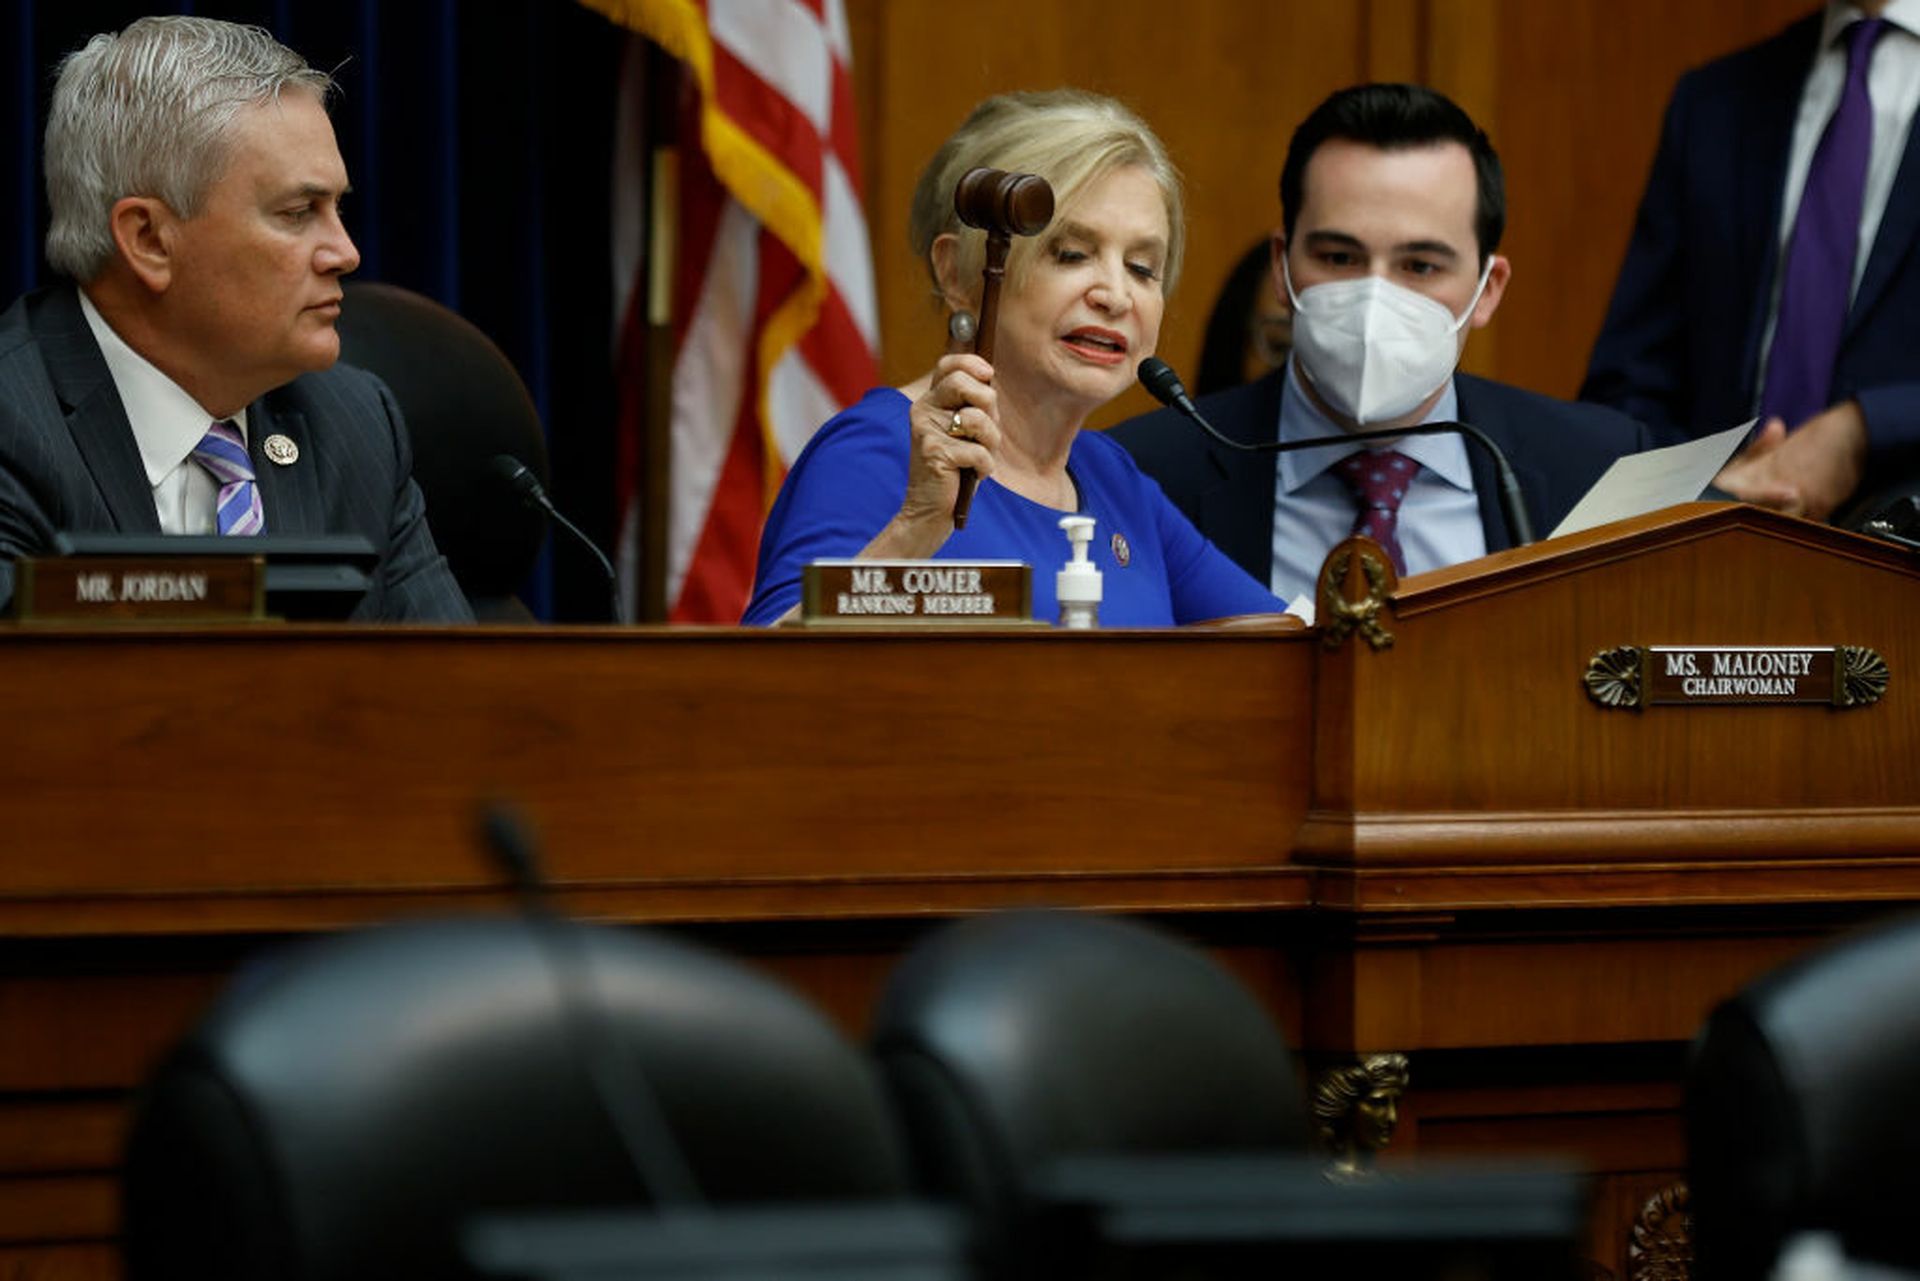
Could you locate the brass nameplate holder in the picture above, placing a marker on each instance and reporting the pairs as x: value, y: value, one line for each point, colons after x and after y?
x: 1639, y: 676
x: 116, y: 589
x: 917, y: 593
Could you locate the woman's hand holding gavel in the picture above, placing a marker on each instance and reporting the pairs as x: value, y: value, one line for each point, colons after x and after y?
x: 956, y: 433
x: 1004, y: 205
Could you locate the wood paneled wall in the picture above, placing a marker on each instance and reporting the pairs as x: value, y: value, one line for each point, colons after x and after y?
x: 1571, y: 92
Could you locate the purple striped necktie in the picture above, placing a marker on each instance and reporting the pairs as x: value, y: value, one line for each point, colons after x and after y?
x: 1379, y: 479
x: 224, y: 454
x: 1817, y: 285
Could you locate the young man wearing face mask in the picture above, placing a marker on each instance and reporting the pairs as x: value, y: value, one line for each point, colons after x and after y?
x: 1392, y: 205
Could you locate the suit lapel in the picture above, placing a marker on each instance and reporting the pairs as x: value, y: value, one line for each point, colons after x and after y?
x: 1480, y: 410
x: 1236, y: 510
x: 96, y: 419
x: 1898, y: 226
x: 290, y: 497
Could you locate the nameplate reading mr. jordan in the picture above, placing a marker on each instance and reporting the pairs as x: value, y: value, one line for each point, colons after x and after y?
x: 81, y: 589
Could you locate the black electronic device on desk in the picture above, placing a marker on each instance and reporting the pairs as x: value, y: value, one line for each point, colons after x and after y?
x: 119, y: 578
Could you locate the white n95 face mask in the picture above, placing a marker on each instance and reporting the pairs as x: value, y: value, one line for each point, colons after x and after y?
x: 1373, y: 349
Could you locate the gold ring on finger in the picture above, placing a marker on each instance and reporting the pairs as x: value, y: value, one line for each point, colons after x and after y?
x: 953, y: 424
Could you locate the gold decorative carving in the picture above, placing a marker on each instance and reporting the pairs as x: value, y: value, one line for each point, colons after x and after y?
x: 1660, y: 1243
x: 1338, y: 613
x: 1613, y: 677
x: 1355, y: 1109
x: 1863, y: 676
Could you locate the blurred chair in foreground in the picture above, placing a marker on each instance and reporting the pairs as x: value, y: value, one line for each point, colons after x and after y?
x: 1803, y: 1109
x: 1013, y: 1041
x: 347, y: 1109
x: 464, y: 404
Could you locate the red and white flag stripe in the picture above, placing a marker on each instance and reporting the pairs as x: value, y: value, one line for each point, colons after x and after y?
x: 776, y: 326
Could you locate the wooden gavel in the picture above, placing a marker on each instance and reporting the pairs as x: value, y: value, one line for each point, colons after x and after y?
x: 1003, y: 205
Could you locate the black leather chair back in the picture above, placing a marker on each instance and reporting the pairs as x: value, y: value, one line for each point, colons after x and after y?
x: 1011, y: 1041
x: 1803, y: 1109
x: 464, y: 403
x: 345, y: 1109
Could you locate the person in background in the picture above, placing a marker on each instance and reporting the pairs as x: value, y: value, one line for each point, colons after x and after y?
x: 1773, y: 269
x: 184, y: 380
x: 1392, y: 206
x: 1081, y: 307
x: 1249, y: 331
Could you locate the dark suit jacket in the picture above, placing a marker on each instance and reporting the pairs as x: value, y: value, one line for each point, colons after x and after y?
x: 1557, y: 451
x: 68, y: 460
x: 1680, y: 350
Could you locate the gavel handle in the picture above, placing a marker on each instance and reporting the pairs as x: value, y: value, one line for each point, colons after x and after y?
x: 963, y: 497
x: 991, y: 276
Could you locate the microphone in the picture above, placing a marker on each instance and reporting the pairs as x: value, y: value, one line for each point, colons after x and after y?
x: 1157, y: 376
x: 1165, y: 386
x: 624, y: 1096
x: 527, y: 487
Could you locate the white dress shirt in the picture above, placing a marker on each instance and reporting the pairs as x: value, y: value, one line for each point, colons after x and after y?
x: 1893, y: 85
x: 167, y: 424
x: 1313, y: 509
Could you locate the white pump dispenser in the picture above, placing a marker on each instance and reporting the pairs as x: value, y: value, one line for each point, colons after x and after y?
x: 1077, y: 585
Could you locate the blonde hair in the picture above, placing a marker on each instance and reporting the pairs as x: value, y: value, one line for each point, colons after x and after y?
x: 1069, y: 137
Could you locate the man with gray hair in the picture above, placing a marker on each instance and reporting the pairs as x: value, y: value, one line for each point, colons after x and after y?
x: 184, y: 380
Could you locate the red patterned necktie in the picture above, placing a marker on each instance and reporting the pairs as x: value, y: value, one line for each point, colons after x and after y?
x: 1379, y: 480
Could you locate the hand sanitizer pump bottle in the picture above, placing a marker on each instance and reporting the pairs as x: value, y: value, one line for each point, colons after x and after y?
x: 1077, y: 585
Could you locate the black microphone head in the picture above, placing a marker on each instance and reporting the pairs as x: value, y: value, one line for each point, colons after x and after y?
x: 519, y: 477
x: 1157, y: 376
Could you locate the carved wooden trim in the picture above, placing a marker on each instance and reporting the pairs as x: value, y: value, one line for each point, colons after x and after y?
x: 1660, y: 1243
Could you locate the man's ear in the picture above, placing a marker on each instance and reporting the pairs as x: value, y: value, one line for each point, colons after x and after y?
x: 143, y: 230
x: 1497, y: 276
x: 958, y: 294
x: 1277, y: 254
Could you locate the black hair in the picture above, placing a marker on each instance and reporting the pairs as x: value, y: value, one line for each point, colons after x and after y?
x: 1394, y: 117
x: 1223, y: 352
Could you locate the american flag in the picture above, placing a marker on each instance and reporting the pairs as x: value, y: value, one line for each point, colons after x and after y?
x: 775, y: 324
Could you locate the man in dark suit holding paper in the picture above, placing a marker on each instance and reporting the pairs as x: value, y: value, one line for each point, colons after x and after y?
x: 1393, y: 204
x: 1773, y: 267
x: 185, y: 383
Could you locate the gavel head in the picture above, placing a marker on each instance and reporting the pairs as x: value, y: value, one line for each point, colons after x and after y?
x: 1007, y: 204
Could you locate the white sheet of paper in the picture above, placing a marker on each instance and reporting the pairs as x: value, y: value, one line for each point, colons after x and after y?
x: 1645, y: 482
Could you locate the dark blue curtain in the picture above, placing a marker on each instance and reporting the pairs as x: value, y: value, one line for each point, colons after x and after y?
x: 477, y: 136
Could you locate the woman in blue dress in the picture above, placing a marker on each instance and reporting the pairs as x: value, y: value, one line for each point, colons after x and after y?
x: 1081, y: 307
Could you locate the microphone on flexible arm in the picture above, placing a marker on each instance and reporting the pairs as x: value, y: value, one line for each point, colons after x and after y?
x: 591, y: 1036
x: 1157, y: 376
x: 520, y: 478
